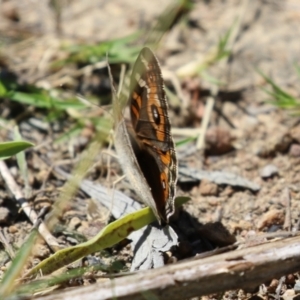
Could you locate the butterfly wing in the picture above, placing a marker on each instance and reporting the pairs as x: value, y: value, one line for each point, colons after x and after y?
x: 149, y: 115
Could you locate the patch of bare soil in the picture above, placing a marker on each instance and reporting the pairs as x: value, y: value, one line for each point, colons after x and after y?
x: 246, y: 136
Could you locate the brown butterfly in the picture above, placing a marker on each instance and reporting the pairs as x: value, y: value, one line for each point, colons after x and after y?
x: 147, y: 152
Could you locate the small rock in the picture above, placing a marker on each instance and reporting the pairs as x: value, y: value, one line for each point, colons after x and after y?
x: 245, y: 225
x: 297, y: 287
x: 88, y: 131
x: 268, y: 171
x: 294, y: 150
x: 12, y: 229
x: 288, y: 295
x: 234, y: 227
x: 270, y: 218
x: 290, y: 279
x: 279, y: 141
x: 227, y: 192
x: 74, y: 223
x: 14, y: 171
x: 273, y: 285
x: 42, y: 175
x: 84, y: 228
x: 41, y: 124
x: 218, y: 141
x: 195, y: 191
x: 4, y: 215
x: 94, y: 261
x: 295, y: 133
x: 213, y: 201
x: 72, y: 240
x: 208, y: 188
x: 40, y: 251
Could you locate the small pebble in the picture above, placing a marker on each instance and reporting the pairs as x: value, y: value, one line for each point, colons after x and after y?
x: 245, y: 225
x: 290, y: 279
x: 40, y: 251
x: 297, y: 287
x: 295, y: 133
x: 93, y: 260
x: 218, y: 141
x: 294, y: 150
x: 4, y: 215
x: 208, y: 188
x: 272, y: 217
x: 268, y: 171
x: 273, y: 285
x: 72, y: 240
x: 12, y: 229
x: 288, y: 295
x: 75, y: 222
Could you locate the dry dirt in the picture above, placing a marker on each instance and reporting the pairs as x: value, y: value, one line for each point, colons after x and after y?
x: 247, y: 135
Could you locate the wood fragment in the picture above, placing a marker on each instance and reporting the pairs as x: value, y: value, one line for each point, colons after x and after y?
x: 29, y: 211
x: 218, y: 177
x: 244, y: 268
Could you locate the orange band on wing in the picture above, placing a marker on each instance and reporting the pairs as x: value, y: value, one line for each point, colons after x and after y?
x: 166, y: 158
x: 138, y: 99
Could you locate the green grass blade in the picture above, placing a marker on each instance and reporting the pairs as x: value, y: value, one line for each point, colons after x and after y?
x: 44, y: 100
x: 9, y: 279
x: 281, y: 98
x: 3, y: 90
x: 186, y: 141
x: 119, y: 51
x: 47, y: 282
x: 109, y: 236
x: 278, y: 91
x: 37, y: 100
x: 7, y: 149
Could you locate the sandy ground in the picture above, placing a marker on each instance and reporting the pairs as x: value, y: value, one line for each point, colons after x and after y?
x: 247, y: 135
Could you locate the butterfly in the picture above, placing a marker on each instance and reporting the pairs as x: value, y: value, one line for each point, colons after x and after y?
x: 146, y: 151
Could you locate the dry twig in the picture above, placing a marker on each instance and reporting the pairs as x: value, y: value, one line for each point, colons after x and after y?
x: 29, y: 211
x: 244, y: 268
x: 205, y: 121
